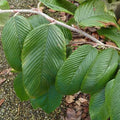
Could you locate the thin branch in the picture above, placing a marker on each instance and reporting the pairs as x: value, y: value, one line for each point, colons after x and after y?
x: 110, y: 46
x: 36, y: 11
x: 38, y: 5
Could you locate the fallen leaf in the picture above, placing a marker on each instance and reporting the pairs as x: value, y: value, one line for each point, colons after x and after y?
x: 52, y: 11
x: 83, y: 115
x: 6, y: 71
x: 70, y: 99
x: 92, y: 29
x: 78, y: 103
x: 82, y: 100
x: 111, y: 43
x: 41, y: 8
x: 2, y: 80
x: 95, y: 35
x: 1, y: 101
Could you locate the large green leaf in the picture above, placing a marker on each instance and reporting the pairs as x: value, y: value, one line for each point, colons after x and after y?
x: 13, y: 35
x: 115, y: 99
x: 67, y: 33
x: 71, y: 74
x: 37, y: 20
x: 43, y: 54
x: 93, y: 13
x: 101, y: 71
x: 60, y: 5
x: 97, y: 106
x: 108, y: 92
x: 49, y: 101
x: 19, y: 88
x: 111, y: 33
x: 4, y: 16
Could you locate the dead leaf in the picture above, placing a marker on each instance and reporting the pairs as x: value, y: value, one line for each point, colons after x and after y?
x: 2, y: 80
x: 70, y: 99
x: 72, y: 115
x: 52, y: 11
x: 80, y: 40
x: 41, y: 8
x: 83, y: 115
x: 1, y: 101
x: 111, y: 43
x: 78, y: 103
x: 95, y: 35
x: 6, y: 71
x: 108, y: 24
x: 82, y: 100
x: 92, y: 29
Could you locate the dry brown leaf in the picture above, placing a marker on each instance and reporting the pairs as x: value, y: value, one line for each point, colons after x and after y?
x: 2, y: 80
x: 95, y: 35
x: 72, y: 115
x: 70, y: 99
x: 77, y: 108
x: 82, y: 100
x: 52, y: 11
x: 41, y: 8
x: 6, y: 71
x: 111, y: 43
x: 78, y: 103
x: 2, y: 101
x: 92, y: 29
x: 80, y: 40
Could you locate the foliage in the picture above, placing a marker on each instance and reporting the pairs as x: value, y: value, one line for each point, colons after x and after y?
x: 37, y: 50
x: 4, y: 16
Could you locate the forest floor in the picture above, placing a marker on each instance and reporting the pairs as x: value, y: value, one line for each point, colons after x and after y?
x: 73, y: 107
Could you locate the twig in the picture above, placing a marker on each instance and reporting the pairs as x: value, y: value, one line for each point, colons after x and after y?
x: 37, y: 11
x: 38, y: 5
x: 52, y: 20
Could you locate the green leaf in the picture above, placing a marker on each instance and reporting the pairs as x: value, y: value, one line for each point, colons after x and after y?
x: 13, y: 35
x: 111, y: 33
x: 49, y: 101
x: 93, y: 13
x: 101, y: 71
x: 43, y: 54
x: 67, y: 34
x: 115, y: 99
x: 71, y: 74
x: 4, y: 16
x: 19, y: 88
x: 97, y: 106
x: 60, y: 5
x: 80, y: 1
x: 108, y: 92
x: 37, y: 20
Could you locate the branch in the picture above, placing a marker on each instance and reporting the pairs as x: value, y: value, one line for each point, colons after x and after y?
x: 36, y: 11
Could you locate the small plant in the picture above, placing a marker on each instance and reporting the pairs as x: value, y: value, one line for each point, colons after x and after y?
x: 35, y: 47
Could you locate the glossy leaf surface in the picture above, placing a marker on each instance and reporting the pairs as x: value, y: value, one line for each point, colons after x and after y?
x: 71, y: 74
x: 19, y: 88
x: 101, y: 71
x: 49, y: 101
x: 43, y: 54
x: 94, y: 13
x: 60, y: 5
x: 97, y: 107
x: 13, y: 35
